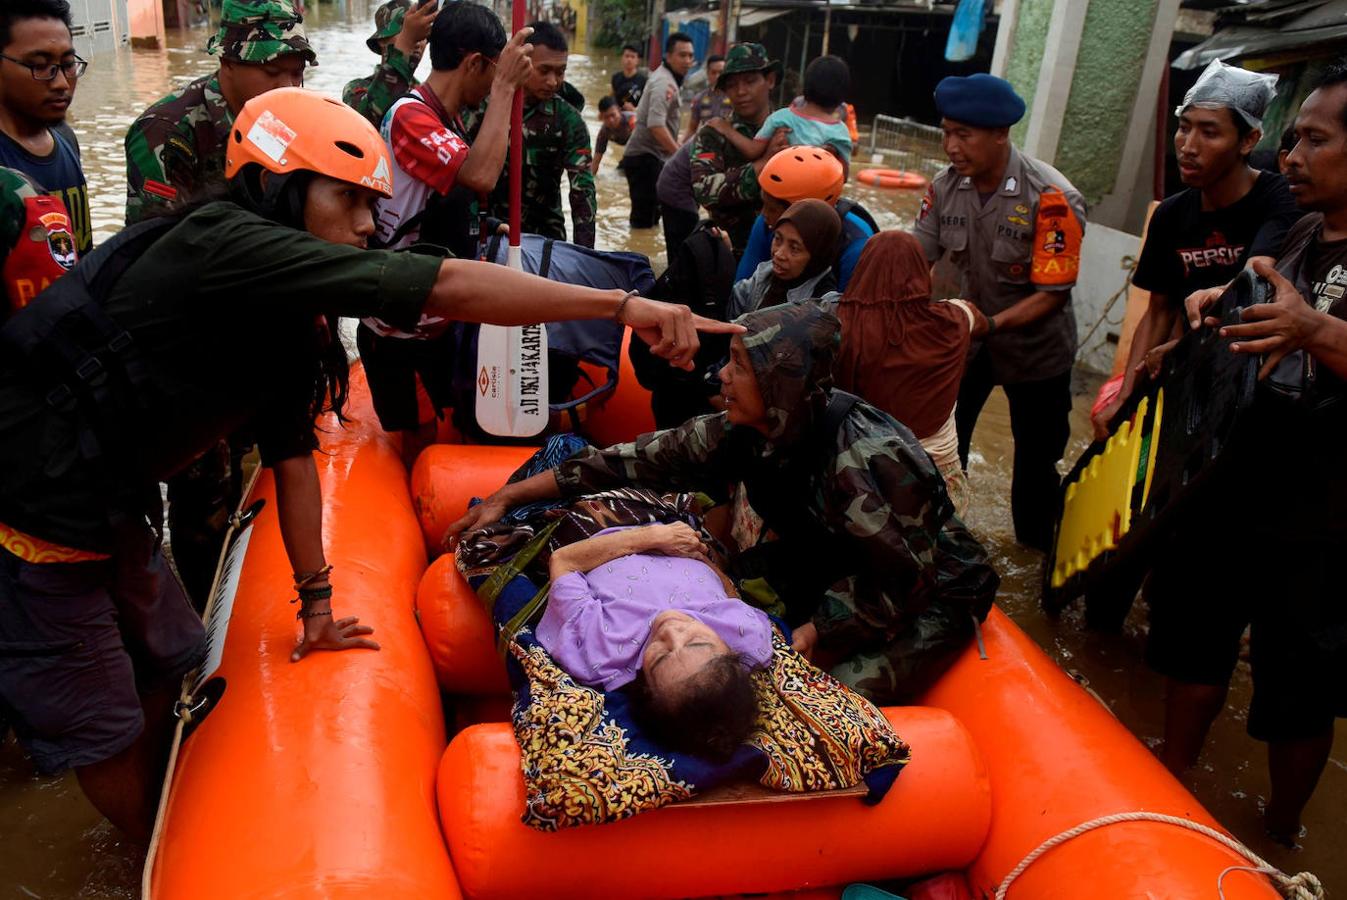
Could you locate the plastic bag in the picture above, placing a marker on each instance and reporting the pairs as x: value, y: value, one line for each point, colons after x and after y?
x: 1230, y: 87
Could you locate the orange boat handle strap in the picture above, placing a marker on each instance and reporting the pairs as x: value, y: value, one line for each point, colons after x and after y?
x: 1305, y: 886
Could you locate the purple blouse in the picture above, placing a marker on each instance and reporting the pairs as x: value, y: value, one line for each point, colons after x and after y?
x: 597, y: 623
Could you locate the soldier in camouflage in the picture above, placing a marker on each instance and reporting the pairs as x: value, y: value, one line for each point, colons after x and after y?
x: 175, y: 151
x: 882, y: 584
x: 724, y: 181
x: 400, y: 33
x: 556, y: 140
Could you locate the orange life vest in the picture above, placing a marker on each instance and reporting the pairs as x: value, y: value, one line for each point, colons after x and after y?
x: 45, y: 250
x: 1057, y: 237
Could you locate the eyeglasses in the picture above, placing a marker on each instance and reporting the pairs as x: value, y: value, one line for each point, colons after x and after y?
x: 72, y: 68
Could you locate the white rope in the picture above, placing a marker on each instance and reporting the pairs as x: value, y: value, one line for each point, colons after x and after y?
x: 1304, y: 886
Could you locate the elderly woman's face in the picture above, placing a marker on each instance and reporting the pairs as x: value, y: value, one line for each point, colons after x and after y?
x: 789, y: 254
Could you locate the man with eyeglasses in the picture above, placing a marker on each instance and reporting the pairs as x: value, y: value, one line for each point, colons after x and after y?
x: 175, y: 151
x: 38, y: 73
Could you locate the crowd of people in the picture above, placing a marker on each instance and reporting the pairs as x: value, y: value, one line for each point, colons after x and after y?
x: 828, y: 407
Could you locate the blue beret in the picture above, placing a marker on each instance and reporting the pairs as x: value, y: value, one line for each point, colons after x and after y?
x: 981, y: 100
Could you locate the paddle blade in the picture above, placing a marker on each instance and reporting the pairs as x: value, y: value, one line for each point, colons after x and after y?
x: 512, y: 380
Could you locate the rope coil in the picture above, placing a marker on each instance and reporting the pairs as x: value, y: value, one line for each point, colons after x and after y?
x: 1304, y: 886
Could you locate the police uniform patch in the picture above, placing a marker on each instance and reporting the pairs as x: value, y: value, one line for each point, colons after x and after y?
x: 1022, y: 209
x: 927, y: 201
x: 1017, y: 220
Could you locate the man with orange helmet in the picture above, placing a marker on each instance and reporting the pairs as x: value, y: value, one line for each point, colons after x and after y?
x: 803, y: 173
x: 128, y: 368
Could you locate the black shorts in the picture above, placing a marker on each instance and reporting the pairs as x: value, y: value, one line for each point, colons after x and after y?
x: 81, y: 642
x: 1288, y: 595
x: 394, y: 366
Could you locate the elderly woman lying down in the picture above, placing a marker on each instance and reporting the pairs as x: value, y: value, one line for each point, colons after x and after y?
x: 644, y: 608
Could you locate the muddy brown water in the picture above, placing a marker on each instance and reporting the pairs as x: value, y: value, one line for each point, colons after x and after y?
x: 54, y: 845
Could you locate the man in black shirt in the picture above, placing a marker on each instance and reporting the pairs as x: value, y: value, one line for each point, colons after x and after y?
x: 630, y: 82
x: 1203, y: 236
x: 1287, y: 488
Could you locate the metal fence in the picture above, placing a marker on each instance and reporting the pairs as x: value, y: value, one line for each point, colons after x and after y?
x: 907, y: 145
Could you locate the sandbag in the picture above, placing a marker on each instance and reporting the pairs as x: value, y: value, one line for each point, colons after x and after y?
x: 935, y: 817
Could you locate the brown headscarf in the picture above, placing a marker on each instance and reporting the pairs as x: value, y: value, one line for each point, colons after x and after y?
x: 819, y: 227
x: 900, y: 350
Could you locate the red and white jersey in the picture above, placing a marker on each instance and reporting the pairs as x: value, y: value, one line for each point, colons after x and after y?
x: 427, y: 154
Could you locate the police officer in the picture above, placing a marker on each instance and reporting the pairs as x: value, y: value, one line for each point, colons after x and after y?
x: 175, y: 151
x: 1012, y: 225
x: 400, y: 34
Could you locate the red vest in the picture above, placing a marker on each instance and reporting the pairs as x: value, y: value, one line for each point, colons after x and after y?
x: 44, y: 251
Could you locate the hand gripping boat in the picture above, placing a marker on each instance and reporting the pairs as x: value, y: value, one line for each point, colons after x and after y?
x: 330, y: 778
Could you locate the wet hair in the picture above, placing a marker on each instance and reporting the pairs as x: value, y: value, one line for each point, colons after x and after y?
x: 1333, y: 76
x: 675, y: 38
x: 711, y: 716
x: 633, y: 48
x: 14, y: 10
x: 545, y: 34
x: 461, y: 29
x: 607, y: 103
x: 713, y: 59
x: 827, y: 81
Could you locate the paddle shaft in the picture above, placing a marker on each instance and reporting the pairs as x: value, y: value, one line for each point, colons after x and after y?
x: 516, y: 155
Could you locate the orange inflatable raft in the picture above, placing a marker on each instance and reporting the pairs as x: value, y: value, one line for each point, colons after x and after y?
x: 321, y: 779
x: 1055, y: 757
x: 892, y: 178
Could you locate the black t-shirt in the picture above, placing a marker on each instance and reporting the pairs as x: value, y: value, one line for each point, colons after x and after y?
x: 1290, y: 467
x: 1188, y: 248
x: 627, y: 89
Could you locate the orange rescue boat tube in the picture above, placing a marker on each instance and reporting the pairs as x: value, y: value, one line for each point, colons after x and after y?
x: 935, y: 817
x: 892, y: 178
x: 316, y: 779
x: 446, y: 477
x: 1057, y: 759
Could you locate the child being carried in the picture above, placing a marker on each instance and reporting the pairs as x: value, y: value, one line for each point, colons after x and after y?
x: 816, y: 119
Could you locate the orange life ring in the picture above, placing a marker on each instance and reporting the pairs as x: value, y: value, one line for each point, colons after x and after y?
x: 891, y: 178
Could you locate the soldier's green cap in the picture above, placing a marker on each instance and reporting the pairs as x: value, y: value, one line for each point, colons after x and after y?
x: 387, y: 22
x: 747, y: 57
x: 259, y: 31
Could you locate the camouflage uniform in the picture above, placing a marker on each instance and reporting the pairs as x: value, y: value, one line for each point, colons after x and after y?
x: 868, y: 548
x: 175, y: 150
x: 555, y: 139
x: 724, y: 181
x: 394, y: 76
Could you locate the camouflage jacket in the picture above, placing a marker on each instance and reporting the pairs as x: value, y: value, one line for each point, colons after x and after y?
x: 866, y: 503
x: 372, y: 95
x: 556, y: 139
x: 175, y: 151
x: 725, y: 182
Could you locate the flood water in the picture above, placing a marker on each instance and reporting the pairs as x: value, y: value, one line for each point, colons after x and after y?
x: 52, y: 843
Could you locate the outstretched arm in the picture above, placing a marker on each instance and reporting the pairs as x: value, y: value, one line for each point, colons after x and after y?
x: 470, y: 291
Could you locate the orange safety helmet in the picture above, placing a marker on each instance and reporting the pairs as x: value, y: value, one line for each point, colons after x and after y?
x: 291, y: 130
x: 803, y: 173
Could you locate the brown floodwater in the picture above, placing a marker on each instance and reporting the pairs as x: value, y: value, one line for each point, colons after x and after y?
x: 52, y: 843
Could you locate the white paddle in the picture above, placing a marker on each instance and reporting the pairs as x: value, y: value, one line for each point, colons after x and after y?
x: 512, y: 361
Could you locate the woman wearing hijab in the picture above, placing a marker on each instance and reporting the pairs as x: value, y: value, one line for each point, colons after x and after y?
x: 904, y: 352
x: 804, y: 244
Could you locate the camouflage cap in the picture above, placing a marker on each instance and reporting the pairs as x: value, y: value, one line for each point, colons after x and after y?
x: 387, y: 22
x: 746, y: 58
x: 259, y: 31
